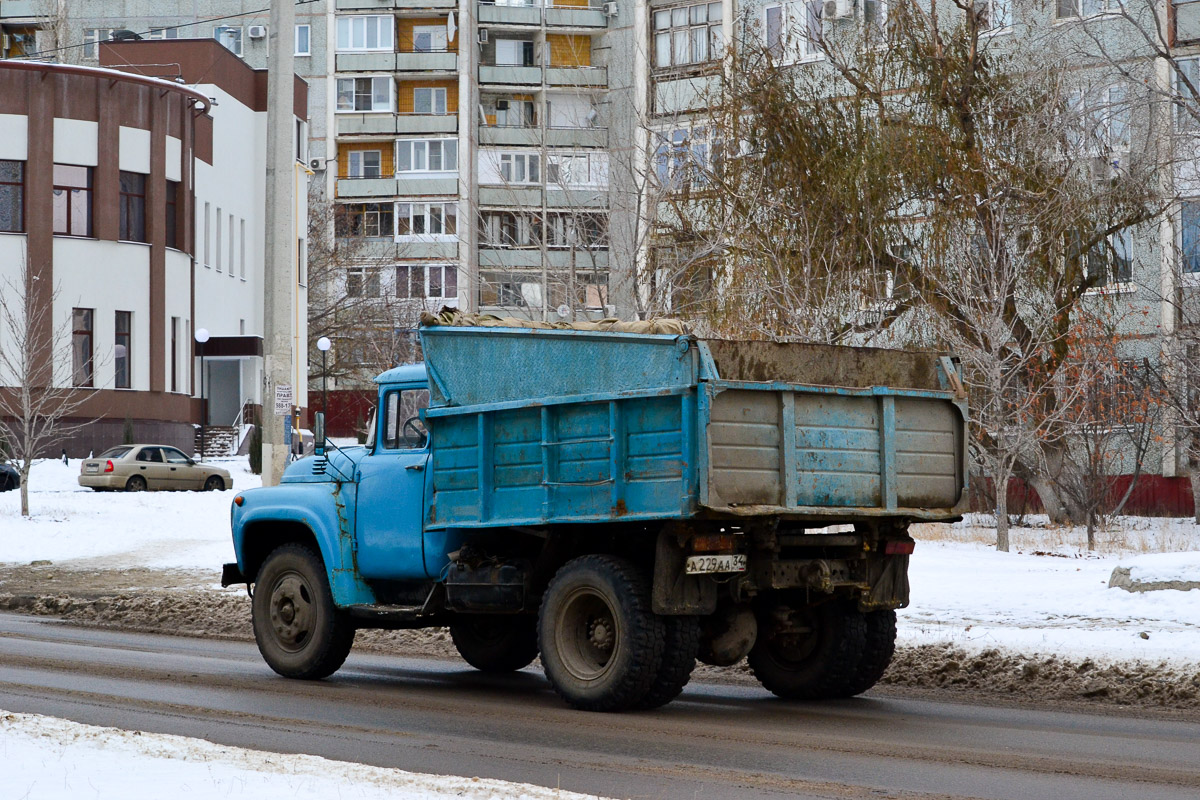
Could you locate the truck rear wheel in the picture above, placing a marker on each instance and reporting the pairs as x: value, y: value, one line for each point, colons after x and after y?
x: 808, y: 652
x: 682, y: 641
x: 299, y: 631
x: 601, y: 644
x: 877, y: 653
x: 494, y: 643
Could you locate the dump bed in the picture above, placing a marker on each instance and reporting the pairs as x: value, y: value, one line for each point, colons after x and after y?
x: 531, y: 427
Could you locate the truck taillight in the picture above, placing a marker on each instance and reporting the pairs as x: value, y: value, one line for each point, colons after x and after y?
x: 108, y: 467
x: 899, y: 548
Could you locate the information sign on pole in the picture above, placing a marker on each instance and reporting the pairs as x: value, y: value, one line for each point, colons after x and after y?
x: 283, y: 399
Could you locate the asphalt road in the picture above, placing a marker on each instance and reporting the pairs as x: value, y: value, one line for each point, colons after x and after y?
x: 716, y: 741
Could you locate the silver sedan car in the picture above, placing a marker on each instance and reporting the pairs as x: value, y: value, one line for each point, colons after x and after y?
x: 139, y: 467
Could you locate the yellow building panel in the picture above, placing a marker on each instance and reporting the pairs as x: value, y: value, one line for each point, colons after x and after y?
x: 387, y: 156
x: 570, y: 51
x: 404, y: 94
x: 405, y: 33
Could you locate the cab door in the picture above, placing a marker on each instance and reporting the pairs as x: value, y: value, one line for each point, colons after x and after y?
x: 391, y: 490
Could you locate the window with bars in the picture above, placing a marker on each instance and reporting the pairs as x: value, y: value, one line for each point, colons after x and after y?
x: 688, y: 35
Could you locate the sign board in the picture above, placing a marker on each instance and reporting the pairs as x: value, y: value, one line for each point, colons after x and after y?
x: 287, y: 430
x: 283, y: 399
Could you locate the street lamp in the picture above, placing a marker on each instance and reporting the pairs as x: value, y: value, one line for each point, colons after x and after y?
x: 201, y: 338
x: 323, y: 344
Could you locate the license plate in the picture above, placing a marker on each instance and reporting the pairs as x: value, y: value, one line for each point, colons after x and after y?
x: 697, y: 565
x: 92, y: 468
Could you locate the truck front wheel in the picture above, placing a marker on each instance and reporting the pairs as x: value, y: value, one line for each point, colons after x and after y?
x: 493, y: 643
x: 299, y: 631
x: 808, y: 652
x: 601, y: 644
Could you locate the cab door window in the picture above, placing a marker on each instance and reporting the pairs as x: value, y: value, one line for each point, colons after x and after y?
x: 403, y: 428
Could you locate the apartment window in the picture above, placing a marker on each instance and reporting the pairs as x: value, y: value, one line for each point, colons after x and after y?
x: 362, y: 282
x: 591, y: 289
x: 174, y: 354
x: 12, y: 196
x: 1112, y: 260
x: 365, y: 33
x: 303, y: 40
x: 1065, y: 9
x: 73, y: 200
x: 364, y: 163
x: 875, y: 17
x: 426, y: 155
x: 219, y: 227
x: 133, y: 207
x: 365, y: 94
x: 163, y: 33
x: 122, y: 349
x: 508, y: 229
x: 576, y: 169
x: 230, y: 36
x: 684, y: 156
x: 82, y: 364
x: 993, y: 15
x: 365, y: 220
x: 1189, y: 225
x: 575, y: 231
x: 426, y: 219
x: 231, y: 243
x: 92, y: 38
x: 242, y: 254
x: 793, y: 31
x: 429, y: 101
x: 437, y: 281
x: 429, y: 39
x: 172, y: 214
x: 1188, y: 72
x: 514, y: 53
x: 207, y: 235
x: 520, y: 167
x: 514, y: 113
x: 688, y: 35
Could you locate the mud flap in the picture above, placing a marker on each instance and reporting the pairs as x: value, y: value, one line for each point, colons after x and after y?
x: 888, y: 578
x: 676, y: 592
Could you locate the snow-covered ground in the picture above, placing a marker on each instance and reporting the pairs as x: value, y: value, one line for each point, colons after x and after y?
x: 1049, y: 595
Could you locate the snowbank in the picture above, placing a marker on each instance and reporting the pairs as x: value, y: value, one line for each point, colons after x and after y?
x: 47, y: 758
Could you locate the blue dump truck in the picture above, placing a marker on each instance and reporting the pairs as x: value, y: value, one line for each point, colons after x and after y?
x: 619, y: 502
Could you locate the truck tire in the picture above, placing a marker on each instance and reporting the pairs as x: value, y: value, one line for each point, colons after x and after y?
x: 877, y: 653
x: 681, y: 643
x: 495, y: 643
x: 816, y: 664
x: 299, y: 631
x: 601, y: 645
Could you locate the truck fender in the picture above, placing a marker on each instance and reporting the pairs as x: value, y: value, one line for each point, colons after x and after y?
x: 675, y: 592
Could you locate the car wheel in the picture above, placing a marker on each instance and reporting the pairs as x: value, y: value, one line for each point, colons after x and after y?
x: 601, y: 644
x: 214, y: 484
x: 299, y: 631
x: 135, y: 484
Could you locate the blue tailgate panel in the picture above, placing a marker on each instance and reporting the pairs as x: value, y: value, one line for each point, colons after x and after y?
x: 567, y: 462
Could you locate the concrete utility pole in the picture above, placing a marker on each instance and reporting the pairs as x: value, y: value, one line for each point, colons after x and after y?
x: 278, y: 281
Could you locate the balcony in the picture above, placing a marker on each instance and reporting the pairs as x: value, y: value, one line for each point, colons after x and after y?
x: 510, y: 135
x: 394, y: 5
x: 560, y: 15
x: 442, y: 251
x: 576, y: 77
x: 577, y: 137
x: 575, y: 198
x: 510, y: 196
x: 507, y: 75
x: 492, y: 14
x: 366, y: 187
x: 388, y: 124
x: 532, y: 258
x: 413, y: 185
x: 440, y: 61
x: 382, y: 61
x: 510, y: 257
x: 25, y: 9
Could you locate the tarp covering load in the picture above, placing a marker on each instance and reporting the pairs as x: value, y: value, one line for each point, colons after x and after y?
x: 458, y: 319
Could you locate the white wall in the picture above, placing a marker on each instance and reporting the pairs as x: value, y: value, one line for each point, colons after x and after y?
x: 14, y: 133
x: 75, y: 142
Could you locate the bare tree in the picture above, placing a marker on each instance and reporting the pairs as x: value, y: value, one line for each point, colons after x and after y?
x: 39, y: 405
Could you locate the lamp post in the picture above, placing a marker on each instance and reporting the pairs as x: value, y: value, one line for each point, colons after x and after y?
x: 323, y: 344
x: 201, y: 338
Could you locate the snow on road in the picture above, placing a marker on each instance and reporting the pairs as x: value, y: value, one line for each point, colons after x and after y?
x: 1047, y: 596
x: 47, y: 759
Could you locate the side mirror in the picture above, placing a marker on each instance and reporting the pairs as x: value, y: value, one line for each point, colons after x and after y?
x: 319, y: 433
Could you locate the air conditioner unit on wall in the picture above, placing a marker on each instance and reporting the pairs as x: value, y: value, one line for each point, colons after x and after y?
x: 483, y: 36
x: 257, y: 32
x: 610, y: 9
